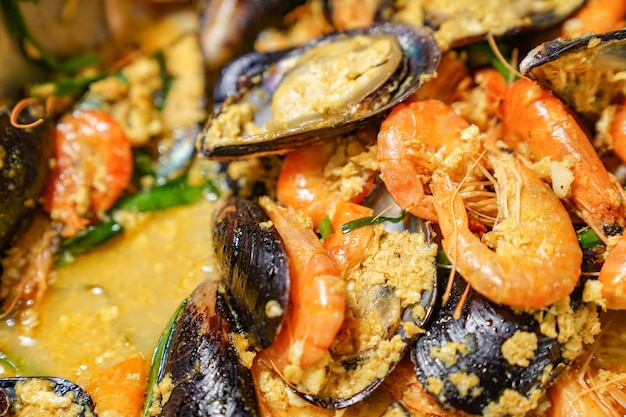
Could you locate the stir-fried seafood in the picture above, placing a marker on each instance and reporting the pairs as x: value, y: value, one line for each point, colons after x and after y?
x: 406, y: 228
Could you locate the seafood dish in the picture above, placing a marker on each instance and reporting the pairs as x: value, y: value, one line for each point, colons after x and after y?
x: 322, y: 208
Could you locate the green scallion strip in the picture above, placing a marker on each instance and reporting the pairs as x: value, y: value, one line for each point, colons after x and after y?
x: 442, y: 258
x: 67, y: 87
x: 369, y: 221
x: 326, y: 228
x: 32, y: 49
x: 162, y: 197
x: 174, y: 193
x: 588, y: 239
x: 158, y: 357
x: 87, y: 240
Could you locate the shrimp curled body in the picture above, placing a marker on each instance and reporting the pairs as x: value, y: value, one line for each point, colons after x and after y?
x: 536, y: 257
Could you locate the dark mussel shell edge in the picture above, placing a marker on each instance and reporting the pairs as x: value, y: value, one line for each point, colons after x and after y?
x: 421, y: 56
x: 254, y: 268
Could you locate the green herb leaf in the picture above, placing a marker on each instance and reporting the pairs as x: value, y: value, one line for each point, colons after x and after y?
x: 86, y: 240
x: 326, y: 228
x: 369, y: 221
x: 588, y: 239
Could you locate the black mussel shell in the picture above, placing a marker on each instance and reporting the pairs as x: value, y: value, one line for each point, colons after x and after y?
x: 24, y: 166
x: 196, y: 352
x: 581, y: 71
x: 420, y: 57
x: 255, y: 270
x: 82, y: 404
x: 472, y: 379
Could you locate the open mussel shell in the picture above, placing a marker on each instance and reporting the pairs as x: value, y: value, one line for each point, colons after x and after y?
x: 586, y: 73
x: 460, y: 361
x: 508, y: 19
x: 198, y: 359
x: 24, y: 165
x: 11, y: 400
x: 408, y: 56
x: 255, y: 270
x: 355, y: 376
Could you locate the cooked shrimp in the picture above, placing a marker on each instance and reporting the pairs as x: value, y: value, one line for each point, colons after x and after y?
x: 414, y: 141
x: 317, y: 297
x: 596, y: 16
x: 613, y: 276
x: 538, y: 125
x: 533, y: 234
x: 595, y: 385
x: 307, y: 181
x: 346, y: 250
x: 93, y: 166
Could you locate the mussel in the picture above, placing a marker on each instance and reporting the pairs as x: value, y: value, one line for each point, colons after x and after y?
x: 390, y: 295
x: 490, y: 356
x: 329, y: 86
x: 255, y: 270
x: 34, y: 395
x: 587, y: 73
x: 24, y: 161
x: 196, y: 370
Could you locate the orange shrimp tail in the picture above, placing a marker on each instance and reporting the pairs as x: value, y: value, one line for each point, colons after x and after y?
x: 613, y: 276
x: 538, y: 125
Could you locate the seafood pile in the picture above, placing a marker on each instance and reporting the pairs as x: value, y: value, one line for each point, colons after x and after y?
x: 419, y: 208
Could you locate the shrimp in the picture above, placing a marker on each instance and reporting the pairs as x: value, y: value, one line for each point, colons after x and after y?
x: 534, y: 234
x: 538, y: 125
x: 317, y: 297
x: 308, y: 182
x: 93, y: 166
x: 613, y: 276
x: 413, y: 142
x: 346, y: 250
x: 596, y: 16
x: 595, y: 385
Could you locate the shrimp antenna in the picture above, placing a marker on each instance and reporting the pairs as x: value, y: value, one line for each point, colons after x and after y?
x: 18, y: 108
x: 496, y: 50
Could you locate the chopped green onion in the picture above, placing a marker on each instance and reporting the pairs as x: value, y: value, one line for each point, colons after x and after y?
x: 86, y: 240
x: 588, y: 239
x: 17, y: 26
x: 161, y: 95
x: 326, y: 228
x: 369, y: 221
x: 174, y: 193
x: 171, y: 194
x: 73, y: 86
x: 159, y: 356
x: 442, y: 258
x: 484, y: 51
x: 5, y: 361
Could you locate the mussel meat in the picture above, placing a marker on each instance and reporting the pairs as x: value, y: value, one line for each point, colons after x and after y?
x: 327, y: 87
x: 587, y: 73
x: 34, y: 395
x: 490, y: 356
x: 24, y: 161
